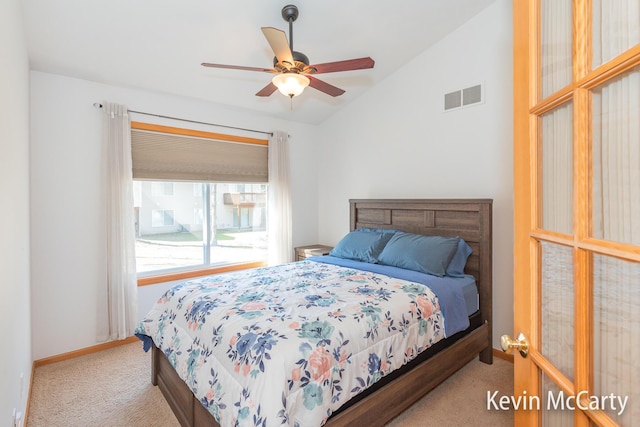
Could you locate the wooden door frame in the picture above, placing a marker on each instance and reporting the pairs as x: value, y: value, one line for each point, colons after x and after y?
x: 523, y: 368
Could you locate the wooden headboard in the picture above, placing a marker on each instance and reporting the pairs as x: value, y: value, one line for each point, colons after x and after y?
x: 469, y: 219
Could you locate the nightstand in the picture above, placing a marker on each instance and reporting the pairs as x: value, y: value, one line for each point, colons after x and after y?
x: 303, y: 252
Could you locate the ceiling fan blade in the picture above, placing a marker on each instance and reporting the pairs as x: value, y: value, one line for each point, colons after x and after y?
x: 348, y: 65
x: 267, y: 90
x: 324, y: 87
x: 239, y: 67
x: 278, y: 41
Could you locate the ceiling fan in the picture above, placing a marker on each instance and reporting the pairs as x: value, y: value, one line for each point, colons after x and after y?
x: 292, y: 69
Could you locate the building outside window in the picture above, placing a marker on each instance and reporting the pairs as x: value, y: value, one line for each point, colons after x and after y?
x: 162, y: 218
x: 162, y: 188
x: 201, y: 225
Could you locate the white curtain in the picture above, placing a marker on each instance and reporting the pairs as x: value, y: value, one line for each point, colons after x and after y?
x: 117, y: 311
x: 279, y: 210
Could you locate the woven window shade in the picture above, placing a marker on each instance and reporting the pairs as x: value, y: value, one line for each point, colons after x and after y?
x: 169, y: 157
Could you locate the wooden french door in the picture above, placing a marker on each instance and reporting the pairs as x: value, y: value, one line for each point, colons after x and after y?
x: 577, y: 212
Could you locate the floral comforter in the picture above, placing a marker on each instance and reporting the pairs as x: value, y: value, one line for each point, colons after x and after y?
x: 288, y: 345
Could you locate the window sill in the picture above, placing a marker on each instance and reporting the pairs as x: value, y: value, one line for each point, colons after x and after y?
x: 152, y: 280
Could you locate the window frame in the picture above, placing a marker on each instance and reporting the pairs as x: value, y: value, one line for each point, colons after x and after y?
x: 198, y: 271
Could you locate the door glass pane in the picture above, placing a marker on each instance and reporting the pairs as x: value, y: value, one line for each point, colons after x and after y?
x: 616, y: 28
x: 557, y: 169
x: 558, y: 306
x: 555, y: 412
x: 616, y: 311
x: 556, y: 38
x: 616, y: 159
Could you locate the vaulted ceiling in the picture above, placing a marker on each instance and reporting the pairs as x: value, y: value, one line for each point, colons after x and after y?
x: 159, y: 45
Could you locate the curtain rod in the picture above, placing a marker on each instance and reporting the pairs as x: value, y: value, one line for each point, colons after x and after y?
x: 99, y: 105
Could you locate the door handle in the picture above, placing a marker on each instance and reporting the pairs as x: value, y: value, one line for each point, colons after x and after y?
x: 520, y: 343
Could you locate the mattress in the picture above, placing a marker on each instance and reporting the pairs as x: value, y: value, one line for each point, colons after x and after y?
x: 470, y: 292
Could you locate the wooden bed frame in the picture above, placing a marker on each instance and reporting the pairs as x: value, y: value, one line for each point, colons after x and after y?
x: 470, y: 219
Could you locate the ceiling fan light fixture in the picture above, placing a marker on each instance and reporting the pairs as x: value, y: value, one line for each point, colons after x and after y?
x: 290, y: 84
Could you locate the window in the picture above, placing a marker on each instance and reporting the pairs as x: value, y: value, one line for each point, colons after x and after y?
x: 162, y: 188
x: 161, y: 218
x: 200, y: 201
x: 191, y: 231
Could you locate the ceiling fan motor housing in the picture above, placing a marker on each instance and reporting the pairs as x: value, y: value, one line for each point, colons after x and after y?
x: 301, y: 62
x: 290, y: 11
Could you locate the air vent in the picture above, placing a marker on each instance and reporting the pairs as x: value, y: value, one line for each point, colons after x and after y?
x: 472, y: 95
x: 452, y: 100
x: 463, y: 97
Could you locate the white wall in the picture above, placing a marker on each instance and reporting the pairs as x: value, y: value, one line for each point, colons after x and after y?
x: 396, y: 142
x: 67, y: 205
x: 392, y: 142
x: 15, y: 332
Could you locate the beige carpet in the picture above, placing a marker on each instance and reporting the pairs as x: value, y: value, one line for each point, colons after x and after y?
x: 112, y: 388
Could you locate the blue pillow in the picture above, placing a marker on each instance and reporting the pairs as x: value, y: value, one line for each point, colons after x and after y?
x: 361, y: 245
x: 459, y: 259
x: 427, y: 254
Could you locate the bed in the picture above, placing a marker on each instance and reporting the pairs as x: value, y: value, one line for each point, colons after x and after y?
x: 385, y: 387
